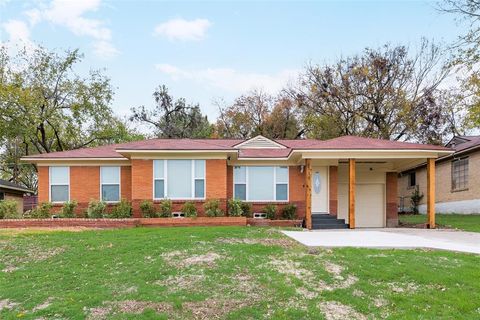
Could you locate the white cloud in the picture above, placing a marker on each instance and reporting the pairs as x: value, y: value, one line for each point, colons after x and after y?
x: 17, y: 30
x: 230, y: 79
x: 18, y: 36
x: 184, y: 30
x: 71, y: 14
x: 104, y: 49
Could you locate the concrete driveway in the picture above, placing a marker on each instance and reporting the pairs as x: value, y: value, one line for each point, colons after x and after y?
x: 390, y: 238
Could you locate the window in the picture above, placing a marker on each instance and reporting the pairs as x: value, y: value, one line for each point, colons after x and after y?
x: 412, y: 179
x: 460, y: 174
x: 179, y: 179
x: 59, y: 184
x: 2, y: 196
x: 257, y: 183
x: 110, y: 184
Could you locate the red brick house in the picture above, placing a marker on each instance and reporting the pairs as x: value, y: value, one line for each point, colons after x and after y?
x: 348, y: 178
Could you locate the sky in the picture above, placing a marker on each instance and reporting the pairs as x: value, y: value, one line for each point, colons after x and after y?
x: 207, y: 51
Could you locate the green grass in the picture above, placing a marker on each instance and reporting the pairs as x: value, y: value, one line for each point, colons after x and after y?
x: 226, y: 273
x: 456, y: 221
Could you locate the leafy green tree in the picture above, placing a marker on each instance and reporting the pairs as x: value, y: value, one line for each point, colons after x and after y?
x: 173, y: 118
x: 46, y: 107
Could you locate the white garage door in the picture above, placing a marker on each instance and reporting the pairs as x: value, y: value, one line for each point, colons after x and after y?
x: 369, y: 205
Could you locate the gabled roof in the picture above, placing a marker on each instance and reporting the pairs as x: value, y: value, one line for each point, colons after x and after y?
x: 265, y: 149
x: 259, y: 142
x: 4, y: 184
x: 464, y: 143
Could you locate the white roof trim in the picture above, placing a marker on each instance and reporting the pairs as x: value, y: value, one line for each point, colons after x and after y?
x: 72, y: 158
x: 174, y: 151
x: 256, y: 143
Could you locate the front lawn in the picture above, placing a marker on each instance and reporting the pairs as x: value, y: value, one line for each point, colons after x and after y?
x: 225, y: 273
x: 456, y: 221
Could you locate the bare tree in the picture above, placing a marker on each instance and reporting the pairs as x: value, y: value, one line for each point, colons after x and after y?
x: 380, y: 94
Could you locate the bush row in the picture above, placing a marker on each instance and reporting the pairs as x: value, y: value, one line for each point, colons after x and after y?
x: 235, y: 208
x: 98, y: 209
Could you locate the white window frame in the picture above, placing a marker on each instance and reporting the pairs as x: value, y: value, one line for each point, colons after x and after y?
x: 112, y: 184
x: 193, y: 178
x: 274, y: 184
x: 55, y: 184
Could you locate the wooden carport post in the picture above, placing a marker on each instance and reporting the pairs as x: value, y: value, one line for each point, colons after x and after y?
x: 351, y: 193
x: 308, y: 193
x: 431, y: 193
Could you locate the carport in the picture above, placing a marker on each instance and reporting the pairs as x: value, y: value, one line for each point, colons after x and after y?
x: 359, y: 185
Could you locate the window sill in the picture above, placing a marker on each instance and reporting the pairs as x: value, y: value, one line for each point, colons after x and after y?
x: 179, y: 200
x: 411, y: 187
x: 267, y: 201
x: 459, y: 190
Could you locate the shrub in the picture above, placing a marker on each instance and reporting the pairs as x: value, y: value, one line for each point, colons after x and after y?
x: 247, y: 209
x: 43, y: 211
x: 235, y: 207
x: 148, y: 210
x: 122, y: 210
x: 165, y: 209
x: 189, y: 209
x: 68, y: 209
x: 289, y: 212
x: 415, y: 198
x: 212, y: 208
x: 270, y: 210
x: 96, y: 209
x: 9, y: 209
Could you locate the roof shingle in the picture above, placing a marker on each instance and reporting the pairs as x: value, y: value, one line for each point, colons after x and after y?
x: 341, y: 143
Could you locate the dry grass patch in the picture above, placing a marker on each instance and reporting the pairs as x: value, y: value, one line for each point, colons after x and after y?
x: 111, y: 308
x: 185, y: 259
x: 7, y: 304
x: 281, y: 242
x: 334, y: 310
x: 29, y: 253
x: 181, y: 282
x: 214, y: 309
x: 39, y: 230
x: 43, y: 305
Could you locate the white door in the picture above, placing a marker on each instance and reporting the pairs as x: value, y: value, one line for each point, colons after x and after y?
x: 320, y: 190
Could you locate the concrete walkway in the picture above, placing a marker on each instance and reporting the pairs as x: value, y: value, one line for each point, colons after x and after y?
x: 390, y: 238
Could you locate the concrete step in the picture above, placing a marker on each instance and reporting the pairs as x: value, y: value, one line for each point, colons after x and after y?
x: 329, y: 226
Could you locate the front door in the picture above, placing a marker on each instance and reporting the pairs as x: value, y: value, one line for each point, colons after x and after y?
x: 320, y: 190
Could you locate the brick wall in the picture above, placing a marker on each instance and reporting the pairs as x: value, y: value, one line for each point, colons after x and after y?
x: 229, y: 182
x: 126, y: 176
x: 391, y: 199
x: 216, y: 182
x: 43, y: 177
x: 142, y: 183
x: 137, y: 185
x: 333, y: 190
x: 84, y: 183
x: 297, y: 189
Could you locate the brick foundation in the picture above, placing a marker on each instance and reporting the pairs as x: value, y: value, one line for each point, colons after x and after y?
x: 150, y: 222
